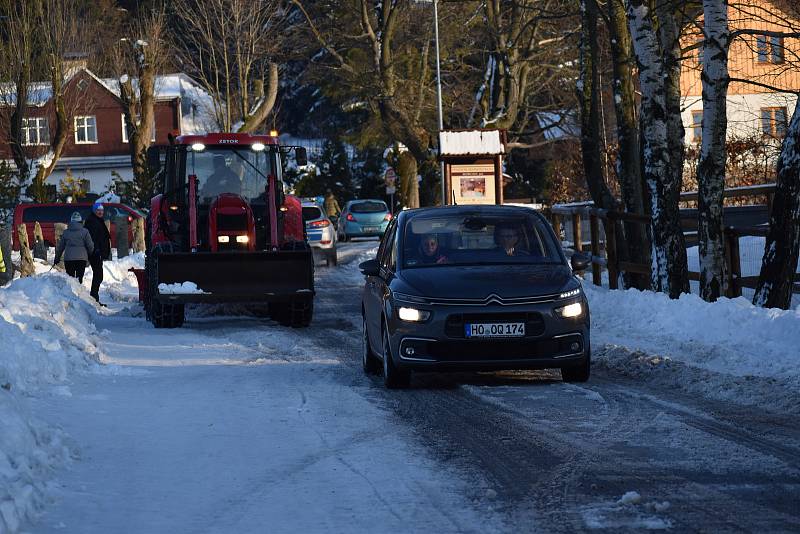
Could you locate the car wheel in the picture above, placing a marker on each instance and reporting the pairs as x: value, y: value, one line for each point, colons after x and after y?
x: 393, y: 378
x: 580, y: 372
x: 369, y: 362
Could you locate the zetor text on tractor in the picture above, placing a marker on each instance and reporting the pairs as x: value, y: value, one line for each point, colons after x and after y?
x: 223, y: 230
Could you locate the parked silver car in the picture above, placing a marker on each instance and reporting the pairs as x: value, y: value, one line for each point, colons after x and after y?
x: 320, y: 231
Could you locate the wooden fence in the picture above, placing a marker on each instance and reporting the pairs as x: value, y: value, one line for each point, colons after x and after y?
x: 576, y: 214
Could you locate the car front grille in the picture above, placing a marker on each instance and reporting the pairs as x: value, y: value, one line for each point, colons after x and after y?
x: 493, y: 299
x: 534, y: 322
x: 505, y: 349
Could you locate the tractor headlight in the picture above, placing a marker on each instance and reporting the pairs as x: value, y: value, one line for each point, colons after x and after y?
x: 257, y: 147
x: 413, y: 315
x: 571, y: 310
x: 242, y: 239
x: 198, y: 147
x: 223, y: 239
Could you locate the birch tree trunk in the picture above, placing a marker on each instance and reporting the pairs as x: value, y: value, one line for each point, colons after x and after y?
x: 774, y: 289
x: 669, y: 267
x: 713, y: 152
x: 629, y: 161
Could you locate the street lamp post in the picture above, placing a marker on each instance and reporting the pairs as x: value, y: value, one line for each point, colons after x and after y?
x: 438, y: 83
x: 439, y: 93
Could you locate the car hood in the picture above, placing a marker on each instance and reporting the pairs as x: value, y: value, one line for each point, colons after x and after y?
x: 505, y: 281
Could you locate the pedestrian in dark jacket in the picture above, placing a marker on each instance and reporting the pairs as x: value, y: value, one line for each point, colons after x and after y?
x: 102, y: 246
x: 76, y: 246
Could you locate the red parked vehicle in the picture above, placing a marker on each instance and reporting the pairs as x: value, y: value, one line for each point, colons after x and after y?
x: 47, y: 215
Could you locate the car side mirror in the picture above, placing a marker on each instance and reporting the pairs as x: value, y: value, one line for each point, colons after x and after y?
x: 580, y: 261
x: 301, y: 156
x: 369, y: 268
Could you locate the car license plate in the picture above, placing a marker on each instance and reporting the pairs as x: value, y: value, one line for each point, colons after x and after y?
x: 369, y: 229
x: 494, y: 329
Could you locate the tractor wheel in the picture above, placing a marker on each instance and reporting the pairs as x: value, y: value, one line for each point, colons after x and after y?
x: 161, y: 314
x: 300, y: 313
x: 167, y: 315
x: 279, y: 312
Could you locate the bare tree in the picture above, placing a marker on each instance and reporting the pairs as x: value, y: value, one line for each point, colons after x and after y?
x: 376, y: 51
x: 57, y: 23
x: 233, y: 47
x: 39, y: 36
x: 142, y: 60
x: 17, y: 23
x: 530, y: 61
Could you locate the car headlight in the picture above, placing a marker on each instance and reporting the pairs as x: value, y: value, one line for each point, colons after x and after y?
x: 571, y: 310
x: 413, y: 315
x: 224, y: 239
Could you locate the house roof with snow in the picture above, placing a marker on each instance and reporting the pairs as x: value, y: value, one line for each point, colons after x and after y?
x: 167, y: 87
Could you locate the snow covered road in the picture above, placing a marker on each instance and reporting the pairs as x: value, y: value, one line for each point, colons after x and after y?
x: 234, y: 424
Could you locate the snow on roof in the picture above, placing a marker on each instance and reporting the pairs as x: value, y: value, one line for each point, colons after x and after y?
x: 470, y: 142
x: 167, y: 87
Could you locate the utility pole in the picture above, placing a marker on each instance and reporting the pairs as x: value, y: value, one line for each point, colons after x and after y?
x: 439, y: 93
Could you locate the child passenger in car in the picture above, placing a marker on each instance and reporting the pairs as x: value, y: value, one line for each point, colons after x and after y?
x: 429, y: 250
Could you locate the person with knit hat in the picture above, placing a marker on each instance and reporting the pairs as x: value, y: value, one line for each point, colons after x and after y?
x: 102, y: 246
x: 76, y: 246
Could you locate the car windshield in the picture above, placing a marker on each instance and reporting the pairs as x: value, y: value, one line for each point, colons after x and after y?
x: 477, y: 239
x: 371, y: 206
x: 240, y: 171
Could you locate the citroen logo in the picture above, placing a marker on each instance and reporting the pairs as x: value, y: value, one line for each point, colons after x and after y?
x: 494, y: 299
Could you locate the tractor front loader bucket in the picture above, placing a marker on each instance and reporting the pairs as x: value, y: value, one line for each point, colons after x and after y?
x: 281, y: 276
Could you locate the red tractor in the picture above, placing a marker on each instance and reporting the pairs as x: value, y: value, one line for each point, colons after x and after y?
x: 222, y: 230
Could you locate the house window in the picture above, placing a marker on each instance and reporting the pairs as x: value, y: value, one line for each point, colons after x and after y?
x: 125, y: 131
x: 774, y: 122
x: 769, y: 49
x: 85, y: 130
x: 35, y: 131
x: 697, y: 126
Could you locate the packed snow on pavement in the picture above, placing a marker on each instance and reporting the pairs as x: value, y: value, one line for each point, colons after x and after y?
x: 56, y: 341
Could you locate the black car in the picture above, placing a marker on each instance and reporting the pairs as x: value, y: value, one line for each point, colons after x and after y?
x: 473, y: 288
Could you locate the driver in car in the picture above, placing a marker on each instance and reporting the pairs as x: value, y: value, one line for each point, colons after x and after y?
x: 506, y: 237
x: 222, y: 180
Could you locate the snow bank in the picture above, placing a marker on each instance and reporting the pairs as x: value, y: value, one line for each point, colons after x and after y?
x: 647, y: 334
x: 118, y: 282
x: 47, y: 332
